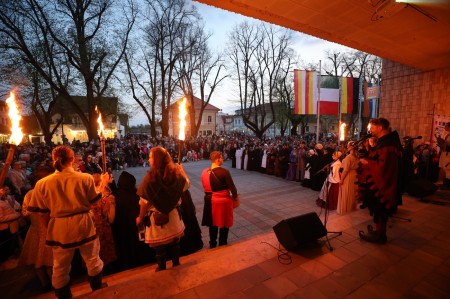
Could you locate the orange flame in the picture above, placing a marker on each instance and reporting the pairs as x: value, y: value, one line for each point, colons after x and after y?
x: 16, y: 130
x: 368, y: 128
x: 182, y: 116
x: 101, y: 128
x: 342, y: 131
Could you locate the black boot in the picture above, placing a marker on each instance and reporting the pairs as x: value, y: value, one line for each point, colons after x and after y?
x: 174, y: 251
x: 95, y: 281
x: 64, y: 292
x: 213, y: 231
x: 223, y: 236
x: 373, y: 237
x: 160, y: 258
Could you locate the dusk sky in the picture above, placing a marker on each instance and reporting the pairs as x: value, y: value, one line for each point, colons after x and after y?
x: 219, y: 22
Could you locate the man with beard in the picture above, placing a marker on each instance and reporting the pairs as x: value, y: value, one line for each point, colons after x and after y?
x: 383, y: 164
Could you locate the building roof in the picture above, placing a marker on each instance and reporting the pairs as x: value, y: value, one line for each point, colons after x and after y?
x: 197, y: 104
x: 413, y: 33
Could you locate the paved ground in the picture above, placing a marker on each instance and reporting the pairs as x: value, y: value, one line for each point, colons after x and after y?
x: 414, y: 264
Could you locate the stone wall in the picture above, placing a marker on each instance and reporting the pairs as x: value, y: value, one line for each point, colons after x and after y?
x: 408, y: 96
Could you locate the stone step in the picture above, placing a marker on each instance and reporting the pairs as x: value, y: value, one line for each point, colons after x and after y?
x: 195, y: 269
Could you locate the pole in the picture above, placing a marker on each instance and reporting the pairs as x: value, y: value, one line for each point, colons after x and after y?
x: 9, y: 158
x: 431, y: 142
x: 339, y: 106
x: 360, y: 97
x: 318, y: 102
x: 102, y: 142
x: 180, y: 149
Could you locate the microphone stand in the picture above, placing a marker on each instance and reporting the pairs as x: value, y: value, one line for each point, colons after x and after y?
x: 327, y: 212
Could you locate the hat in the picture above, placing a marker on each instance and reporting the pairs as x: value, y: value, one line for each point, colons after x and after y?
x: 319, y: 146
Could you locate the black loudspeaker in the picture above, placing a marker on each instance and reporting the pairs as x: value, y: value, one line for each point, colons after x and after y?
x: 421, y: 187
x: 299, y: 230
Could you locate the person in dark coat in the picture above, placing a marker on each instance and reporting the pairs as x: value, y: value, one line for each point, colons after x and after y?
x: 318, y: 171
x: 192, y: 239
x: 383, y: 163
x: 131, y: 251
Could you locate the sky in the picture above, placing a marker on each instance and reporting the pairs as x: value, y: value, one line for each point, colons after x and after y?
x: 219, y: 22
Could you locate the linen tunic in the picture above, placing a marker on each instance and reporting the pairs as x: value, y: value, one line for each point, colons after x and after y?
x: 67, y: 195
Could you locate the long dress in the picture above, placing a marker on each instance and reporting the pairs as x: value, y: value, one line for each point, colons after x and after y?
x: 34, y: 251
x: 239, y: 158
x: 329, y: 194
x: 100, y: 212
x: 347, y: 193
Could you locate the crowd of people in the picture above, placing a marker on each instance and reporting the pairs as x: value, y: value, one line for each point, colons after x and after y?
x: 49, y: 188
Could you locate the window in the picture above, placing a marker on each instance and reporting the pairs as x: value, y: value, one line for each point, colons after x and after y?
x: 209, y: 119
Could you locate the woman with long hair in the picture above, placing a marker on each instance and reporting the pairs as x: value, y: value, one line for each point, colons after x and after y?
x: 160, y: 197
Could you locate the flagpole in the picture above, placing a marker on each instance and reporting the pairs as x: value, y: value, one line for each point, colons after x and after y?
x: 318, y: 102
x: 339, y: 106
x: 360, y: 97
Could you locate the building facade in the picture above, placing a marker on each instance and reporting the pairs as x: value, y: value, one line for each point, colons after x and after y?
x: 209, y: 122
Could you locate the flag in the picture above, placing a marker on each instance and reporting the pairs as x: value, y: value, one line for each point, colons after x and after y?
x: 329, y: 101
x: 306, y: 93
x: 347, y: 94
x: 371, y: 95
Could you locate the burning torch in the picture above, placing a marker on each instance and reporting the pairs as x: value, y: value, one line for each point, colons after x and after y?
x: 16, y: 135
x: 101, y: 134
x: 181, y: 135
x: 342, y: 132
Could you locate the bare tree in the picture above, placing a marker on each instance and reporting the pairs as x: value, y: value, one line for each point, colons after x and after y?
x: 84, y: 33
x: 167, y: 33
x: 258, y: 53
x: 199, y: 72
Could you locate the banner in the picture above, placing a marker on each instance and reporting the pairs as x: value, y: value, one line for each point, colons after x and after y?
x: 439, y: 122
x: 306, y: 93
x: 347, y: 94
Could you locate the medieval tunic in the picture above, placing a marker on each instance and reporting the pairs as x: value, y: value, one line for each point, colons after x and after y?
x: 383, y: 169
x: 164, y: 197
x: 222, y: 203
x: 67, y: 195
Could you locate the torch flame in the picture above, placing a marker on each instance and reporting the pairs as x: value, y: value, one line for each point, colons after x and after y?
x: 16, y: 130
x: 182, y: 116
x: 101, y: 129
x: 342, y: 131
x: 368, y: 128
